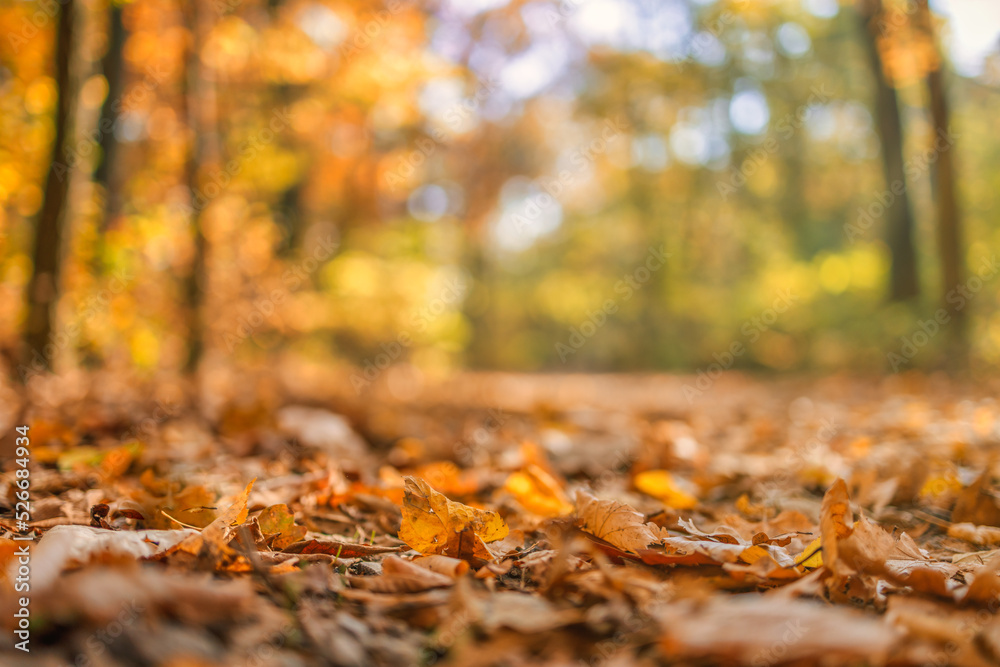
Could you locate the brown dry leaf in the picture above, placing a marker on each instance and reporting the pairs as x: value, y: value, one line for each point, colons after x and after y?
x: 216, y: 535
x: 725, y: 534
x: 616, y: 523
x: 988, y: 536
x: 234, y: 515
x: 339, y: 549
x: 63, y: 547
x: 401, y: 576
x: 985, y: 585
x: 724, y: 552
x: 865, y: 548
x: 192, y: 505
x: 104, y: 592
x: 450, y: 567
x: 768, y: 630
x: 975, y: 505
x: 935, y: 627
x: 433, y: 524
x: 523, y: 613
x: 834, y: 515
x: 724, y: 546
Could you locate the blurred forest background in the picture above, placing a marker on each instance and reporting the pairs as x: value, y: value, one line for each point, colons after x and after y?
x: 528, y: 185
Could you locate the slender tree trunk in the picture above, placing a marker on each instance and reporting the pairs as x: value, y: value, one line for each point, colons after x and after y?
x: 949, y: 222
x: 43, y: 288
x: 476, y: 304
x: 112, y: 67
x: 288, y: 210
x: 904, y: 282
x: 199, y: 102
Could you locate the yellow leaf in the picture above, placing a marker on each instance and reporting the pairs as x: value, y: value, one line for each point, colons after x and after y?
x: 938, y: 485
x: 539, y: 492
x: 812, y: 555
x: 433, y: 524
x: 277, y: 520
x: 660, y: 484
x: 753, y: 554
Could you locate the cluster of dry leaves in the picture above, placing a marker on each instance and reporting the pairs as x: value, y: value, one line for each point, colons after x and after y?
x: 839, y: 522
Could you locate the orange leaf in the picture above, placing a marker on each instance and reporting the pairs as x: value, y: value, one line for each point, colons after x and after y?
x: 433, y: 524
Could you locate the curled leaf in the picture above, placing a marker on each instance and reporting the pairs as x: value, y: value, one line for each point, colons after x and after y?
x: 339, y: 549
x: 433, y: 524
x: 834, y: 515
x: 616, y: 523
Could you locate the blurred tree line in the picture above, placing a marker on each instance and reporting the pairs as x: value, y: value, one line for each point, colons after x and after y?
x: 578, y: 185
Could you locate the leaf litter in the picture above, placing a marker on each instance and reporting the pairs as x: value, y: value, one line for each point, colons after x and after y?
x: 842, y: 523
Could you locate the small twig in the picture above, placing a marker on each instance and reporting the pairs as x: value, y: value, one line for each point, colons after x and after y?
x: 186, y: 525
x: 930, y: 518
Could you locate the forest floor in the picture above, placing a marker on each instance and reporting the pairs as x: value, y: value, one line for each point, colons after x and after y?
x: 497, y: 519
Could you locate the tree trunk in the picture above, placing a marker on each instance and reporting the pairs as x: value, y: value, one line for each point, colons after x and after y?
x: 43, y: 288
x: 899, y: 234
x: 949, y: 222
x: 112, y: 67
x: 199, y: 102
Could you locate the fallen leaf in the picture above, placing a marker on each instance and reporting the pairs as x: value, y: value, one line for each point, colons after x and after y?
x: 400, y: 576
x: 812, y: 555
x: 234, y: 515
x: 433, y: 524
x: 339, y: 549
x: 834, y: 514
x: 985, y: 585
x: 524, y: 614
x: 277, y: 520
x: 217, y: 535
x: 755, y: 630
x: 975, y: 505
x: 538, y: 492
x: 865, y: 548
x: 615, y: 522
x: 450, y: 567
x: 660, y: 484
x: 984, y: 535
x: 63, y: 547
x: 190, y: 505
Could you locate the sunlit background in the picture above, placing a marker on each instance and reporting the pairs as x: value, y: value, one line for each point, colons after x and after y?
x: 586, y: 185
